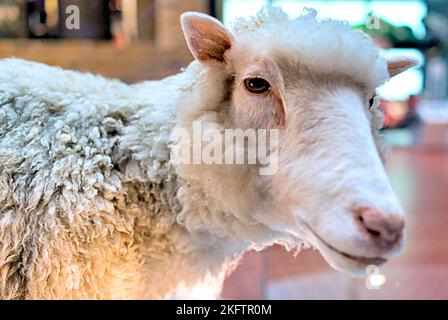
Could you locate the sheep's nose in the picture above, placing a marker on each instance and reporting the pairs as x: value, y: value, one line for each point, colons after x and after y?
x: 384, y: 228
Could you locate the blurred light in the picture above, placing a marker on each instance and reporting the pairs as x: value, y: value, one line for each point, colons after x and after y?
x: 52, y: 10
x: 397, y: 110
x: 233, y: 9
x: 352, y: 11
x: 9, y: 13
x: 377, y: 280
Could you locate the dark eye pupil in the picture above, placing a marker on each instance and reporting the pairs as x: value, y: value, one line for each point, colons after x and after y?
x: 256, y: 85
x: 371, y: 101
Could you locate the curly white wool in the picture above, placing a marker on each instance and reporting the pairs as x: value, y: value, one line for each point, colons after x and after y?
x: 91, y: 205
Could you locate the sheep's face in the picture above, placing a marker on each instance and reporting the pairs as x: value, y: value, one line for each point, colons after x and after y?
x: 330, y: 187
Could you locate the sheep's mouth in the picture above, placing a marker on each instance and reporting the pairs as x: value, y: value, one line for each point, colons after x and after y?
x: 358, y: 259
x: 364, y: 260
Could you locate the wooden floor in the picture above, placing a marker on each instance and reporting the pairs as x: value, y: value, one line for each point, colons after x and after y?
x: 420, y: 178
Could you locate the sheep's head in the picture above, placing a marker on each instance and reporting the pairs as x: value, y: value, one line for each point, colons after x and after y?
x: 314, y: 82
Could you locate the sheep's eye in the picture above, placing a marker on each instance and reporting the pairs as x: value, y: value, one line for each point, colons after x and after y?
x: 256, y: 85
x: 371, y: 102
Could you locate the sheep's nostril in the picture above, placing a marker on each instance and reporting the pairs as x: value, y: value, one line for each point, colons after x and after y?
x: 372, y: 232
x: 387, y: 228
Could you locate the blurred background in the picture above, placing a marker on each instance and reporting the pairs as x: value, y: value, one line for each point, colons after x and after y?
x: 136, y: 40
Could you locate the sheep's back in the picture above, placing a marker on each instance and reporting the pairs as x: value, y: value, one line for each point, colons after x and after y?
x: 63, y: 230
x: 57, y: 126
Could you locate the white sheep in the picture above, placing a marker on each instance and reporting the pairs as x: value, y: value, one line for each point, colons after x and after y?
x: 94, y: 203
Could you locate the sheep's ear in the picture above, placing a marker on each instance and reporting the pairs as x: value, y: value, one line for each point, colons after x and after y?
x: 399, y: 64
x: 206, y: 37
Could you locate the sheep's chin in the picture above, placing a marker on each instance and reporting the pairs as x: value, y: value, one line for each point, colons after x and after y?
x: 338, y: 260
